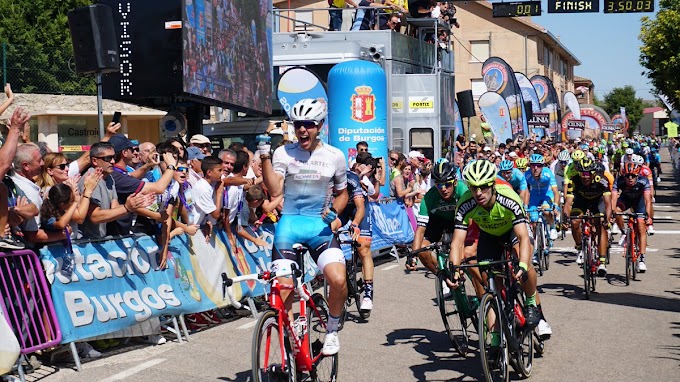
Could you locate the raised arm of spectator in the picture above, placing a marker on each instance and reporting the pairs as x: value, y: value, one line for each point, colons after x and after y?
x: 9, y: 100
x: 162, y: 184
x: 9, y: 148
x: 380, y: 171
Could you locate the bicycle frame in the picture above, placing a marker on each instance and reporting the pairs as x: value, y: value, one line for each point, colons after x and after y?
x: 299, y: 341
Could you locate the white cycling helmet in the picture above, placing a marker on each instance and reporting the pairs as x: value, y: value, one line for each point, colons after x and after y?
x: 308, y: 109
x: 637, y: 159
x: 564, y: 156
x: 629, y: 151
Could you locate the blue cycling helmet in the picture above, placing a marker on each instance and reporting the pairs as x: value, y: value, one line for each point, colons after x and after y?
x: 440, y: 160
x: 536, y: 159
x: 506, y: 165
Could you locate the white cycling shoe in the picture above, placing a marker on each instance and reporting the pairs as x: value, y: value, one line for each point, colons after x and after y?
x: 650, y: 230
x: 543, y: 329
x: 641, y: 267
x: 331, y: 345
x: 553, y: 234
x: 579, y: 258
x: 366, y: 304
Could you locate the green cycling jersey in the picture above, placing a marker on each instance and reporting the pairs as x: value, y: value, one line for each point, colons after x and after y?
x: 505, y: 213
x: 434, y: 205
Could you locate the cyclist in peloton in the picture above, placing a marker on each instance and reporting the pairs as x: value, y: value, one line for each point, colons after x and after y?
x: 647, y: 173
x: 632, y: 191
x: 305, y: 172
x: 437, y: 212
x: 589, y: 191
x: 516, y: 178
x: 497, y: 211
x: 543, y: 190
x: 356, y: 218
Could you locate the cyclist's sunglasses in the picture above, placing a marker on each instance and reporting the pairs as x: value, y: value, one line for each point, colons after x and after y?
x: 305, y: 124
x: 482, y: 188
x: 445, y: 185
x: 586, y: 174
x: 631, y: 176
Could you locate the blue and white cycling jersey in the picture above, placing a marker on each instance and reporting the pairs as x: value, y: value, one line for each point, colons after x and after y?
x: 518, y: 181
x: 309, y: 177
x: 540, y: 189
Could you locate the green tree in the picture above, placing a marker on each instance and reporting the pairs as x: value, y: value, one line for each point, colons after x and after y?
x: 39, y: 54
x: 660, y: 50
x: 624, y: 97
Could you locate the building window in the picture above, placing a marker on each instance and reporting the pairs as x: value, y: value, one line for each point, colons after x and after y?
x: 76, y: 134
x: 479, y: 50
x: 478, y: 88
x: 547, y: 57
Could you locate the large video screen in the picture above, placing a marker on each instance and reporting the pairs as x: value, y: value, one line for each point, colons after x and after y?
x: 226, y: 52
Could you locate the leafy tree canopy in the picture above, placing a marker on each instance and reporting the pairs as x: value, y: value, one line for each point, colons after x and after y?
x: 39, y: 54
x: 660, y: 50
x: 624, y: 97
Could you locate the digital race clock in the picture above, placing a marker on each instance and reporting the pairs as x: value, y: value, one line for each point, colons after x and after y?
x: 517, y: 9
x: 628, y: 6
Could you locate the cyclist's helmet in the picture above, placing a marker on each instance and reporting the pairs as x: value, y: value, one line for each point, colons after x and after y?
x: 585, y: 165
x: 440, y: 160
x: 629, y: 151
x: 522, y: 163
x: 480, y: 173
x: 536, y: 159
x: 444, y: 172
x: 637, y: 159
x: 563, y: 156
x: 630, y: 168
x: 599, y: 167
x: 506, y: 165
x: 577, y: 155
x: 309, y: 109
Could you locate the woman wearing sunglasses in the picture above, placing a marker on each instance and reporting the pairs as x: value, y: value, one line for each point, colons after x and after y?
x: 55, y: 171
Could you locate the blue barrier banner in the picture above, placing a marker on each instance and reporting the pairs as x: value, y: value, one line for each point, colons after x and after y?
x: 390, y: 224
x: 116, y: 284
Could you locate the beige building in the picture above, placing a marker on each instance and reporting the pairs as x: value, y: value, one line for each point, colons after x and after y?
x: 527, y: 47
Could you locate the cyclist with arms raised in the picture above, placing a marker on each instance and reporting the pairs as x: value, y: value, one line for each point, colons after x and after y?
x: 632, y: 191
x: 305, y: 173
x: 589, y: 191
x: 497, y: 211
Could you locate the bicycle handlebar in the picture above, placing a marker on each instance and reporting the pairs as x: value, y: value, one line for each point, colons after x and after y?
x: 433, y: 246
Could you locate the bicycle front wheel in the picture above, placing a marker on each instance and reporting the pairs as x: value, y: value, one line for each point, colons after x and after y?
x: 494, y: 355
x: 629, y: 258
x: 326, y: 367
x: 272, y: 355
x: 540, y: 246
x: 587, y: 267
x: 524, y: 358
x: 453, y: 317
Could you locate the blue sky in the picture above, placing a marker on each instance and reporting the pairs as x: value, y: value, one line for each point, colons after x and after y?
x: 606, y: 44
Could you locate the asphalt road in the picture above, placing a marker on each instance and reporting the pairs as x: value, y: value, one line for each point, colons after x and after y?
x: 624, y: 333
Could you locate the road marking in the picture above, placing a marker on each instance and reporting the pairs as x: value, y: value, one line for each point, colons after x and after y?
x: 134, y: 370
x: 248, y: 325
x: 387, y: 268
x: 665, y: 232
x: 664, y: 218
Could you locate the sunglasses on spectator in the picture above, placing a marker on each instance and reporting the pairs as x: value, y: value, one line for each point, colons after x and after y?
x: 305, y: 124
x: 204, y: 145
x: 135, y: 149
x: 183, y: 169
x: 60, y: 166
x: 394, y: 159
x: 106, y: 158
x: 362, y: 150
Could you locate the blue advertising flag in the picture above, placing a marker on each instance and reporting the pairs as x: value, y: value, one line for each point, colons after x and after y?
x: 298, y: 83
x: 500, y: 78
x: 495, y: 110
x: 549, y: 103
x: 529, y: 94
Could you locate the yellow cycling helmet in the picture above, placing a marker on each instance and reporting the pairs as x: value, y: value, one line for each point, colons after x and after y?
x: 577, y: 155
x: 522, y: 163
x: 480, y: 173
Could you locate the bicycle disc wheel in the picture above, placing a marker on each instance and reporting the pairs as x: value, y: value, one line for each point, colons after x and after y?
x: 326, y: 368
x: 540, y: 246
x: 494, y: 358
x: 454, y: 319
x: 272, y: 361
x: 586, y: 268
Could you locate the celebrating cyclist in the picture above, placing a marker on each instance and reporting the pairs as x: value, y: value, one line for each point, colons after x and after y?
x: 588, y: 191
x: 497, y: 210
x: 632, y: 191
x: 305, y: 172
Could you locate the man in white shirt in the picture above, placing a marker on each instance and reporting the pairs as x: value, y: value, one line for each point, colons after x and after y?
x: 208, y: 198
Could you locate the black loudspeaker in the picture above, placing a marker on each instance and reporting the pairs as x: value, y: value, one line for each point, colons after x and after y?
x: 528, y: 109
x: 466, y: 105
x: 94, y: 39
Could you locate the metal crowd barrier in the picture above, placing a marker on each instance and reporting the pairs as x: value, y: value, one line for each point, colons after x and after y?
x: 27, y: 303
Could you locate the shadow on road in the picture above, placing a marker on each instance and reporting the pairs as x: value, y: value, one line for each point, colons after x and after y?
x: 436, y: 348
x: 243, y: 376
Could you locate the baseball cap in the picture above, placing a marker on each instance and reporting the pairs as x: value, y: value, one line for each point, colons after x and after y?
x: 512, y: 154
x: 194, y: 153
x: 416, y: 154
x: 199, y: 139
x: 120, y: 142
x: 487, y: 148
